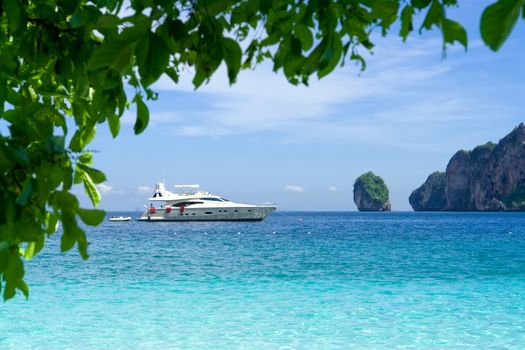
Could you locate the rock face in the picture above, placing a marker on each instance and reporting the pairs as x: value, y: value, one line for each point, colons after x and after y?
x: 431, y: 195
x: 371, y: 193
x: 491, y: 177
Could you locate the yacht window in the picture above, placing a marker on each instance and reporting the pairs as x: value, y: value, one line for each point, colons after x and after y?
x: 225, y: 200
x: 208, y: 212
x: 249, y: 210
x: 211, y: 199
x: 186, y: 204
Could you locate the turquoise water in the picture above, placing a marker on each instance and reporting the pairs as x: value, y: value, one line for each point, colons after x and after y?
x: 294, y: 281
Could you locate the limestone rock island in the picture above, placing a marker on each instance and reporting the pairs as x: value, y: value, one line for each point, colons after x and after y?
x: 491, y: 177
x: 431, y: 195
x: 371, y: 193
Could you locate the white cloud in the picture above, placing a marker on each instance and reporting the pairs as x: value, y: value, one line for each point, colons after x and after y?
x: 144, y: 189
x: 294, y: 188
x: 104, y: 188
x: 332, y: 189
x: 400, y: 77
x: 408, y: 97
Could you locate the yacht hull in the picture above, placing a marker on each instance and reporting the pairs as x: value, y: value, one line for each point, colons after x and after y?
x: 255, y: 213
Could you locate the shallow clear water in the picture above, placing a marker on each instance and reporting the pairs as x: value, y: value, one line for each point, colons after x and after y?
x: 296, y: 280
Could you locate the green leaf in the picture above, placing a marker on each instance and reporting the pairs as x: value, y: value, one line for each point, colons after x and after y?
x: 96, y: 175
x: 20, y: 156
x: 453, y: 31
x: 232, y: 54
x: 114, y: 125
x: 77, y: 176
x: 38, y: 245
x: 8, y: 64
x: 67, y: 171
x: 51, y: 223
x: 199, y: 78
x: 67, y: 241
x: 91, y: 189
x: 433, y: 17
x: 153, y: 57
x: 64, y: 200
x: 82, y: 244
x: 108, y: 21
x: 386, y: 11
x: 141, y: 26
x: 305, y: 36
x: 29, y: 252
x: 420, y: 4
x: 4, y: 246
x: 91, y: 217
x: 13, y: 275
x: 28, y: 230
x: 56, y: 144
x: 312, y: 61
x: 113, y: 54
x: 123, y: 60
x: 212, y: 7
x: 173, y: 74
x: 142, y: 116
x: 498, y: 20
x: 331, y: 56
x: 82, y: 137
x: 14, y: 13
x: 23, y: 198
x: 406, y: 21
x: 86, y: 158
x: 73, y: 234
x: 22, y: 286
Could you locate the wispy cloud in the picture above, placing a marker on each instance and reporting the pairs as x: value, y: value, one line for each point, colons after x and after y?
x: 104, y: 188
x: 294, y: 188
x: 408, y: 96
x: 144, y: 189
x: 156, y: 118
x: 262, y: 100
x: 332, y: 189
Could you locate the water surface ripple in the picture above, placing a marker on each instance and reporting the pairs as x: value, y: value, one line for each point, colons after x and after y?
x: 298, y: 280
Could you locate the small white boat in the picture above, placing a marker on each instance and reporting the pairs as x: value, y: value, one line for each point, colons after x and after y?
x: 120, y: 218
x: 196, y: 205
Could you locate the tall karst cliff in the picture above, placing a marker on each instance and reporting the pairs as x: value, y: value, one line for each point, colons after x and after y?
x: 491, y: 177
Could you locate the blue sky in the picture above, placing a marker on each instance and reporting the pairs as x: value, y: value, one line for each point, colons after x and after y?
x: 264, y: 140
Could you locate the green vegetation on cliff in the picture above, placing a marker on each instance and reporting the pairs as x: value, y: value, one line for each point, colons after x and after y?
x: 515, y: 199
x: 482, y: 150
x: 375, y: 186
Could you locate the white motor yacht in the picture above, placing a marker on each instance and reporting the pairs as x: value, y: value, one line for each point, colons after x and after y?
x: 191, y: 204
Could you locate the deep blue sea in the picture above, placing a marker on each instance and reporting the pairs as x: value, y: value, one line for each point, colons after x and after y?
x: 298, y: 280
